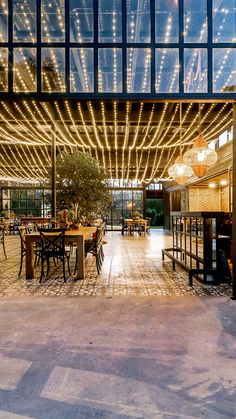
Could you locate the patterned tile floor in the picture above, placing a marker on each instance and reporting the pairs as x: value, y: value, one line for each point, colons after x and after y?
x: 132, y: 266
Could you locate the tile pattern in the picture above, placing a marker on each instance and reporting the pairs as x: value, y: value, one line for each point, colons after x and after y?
x: 132, y: 266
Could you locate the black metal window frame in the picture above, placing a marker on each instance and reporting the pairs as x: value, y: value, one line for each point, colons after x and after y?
x: 116, y: 223
x: 26, y: 210
x: 67, y: 45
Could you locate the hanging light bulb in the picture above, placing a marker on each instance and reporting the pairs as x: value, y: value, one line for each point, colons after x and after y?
x: 180, y: 171
x: 200, y: 157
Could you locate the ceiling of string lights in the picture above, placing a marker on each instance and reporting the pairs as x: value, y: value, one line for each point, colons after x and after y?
x: 131, y: 140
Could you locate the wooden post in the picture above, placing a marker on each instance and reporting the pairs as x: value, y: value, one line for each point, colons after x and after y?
x: 234, y: 205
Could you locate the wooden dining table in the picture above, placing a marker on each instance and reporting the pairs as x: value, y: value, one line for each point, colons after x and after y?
x: 131, y: 221
x: 77, y: 237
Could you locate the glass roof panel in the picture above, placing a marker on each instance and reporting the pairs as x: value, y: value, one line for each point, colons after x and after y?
x: 110, y: 21
x: 81, y: 21
x: 138, y: 21
x: 167, y: 21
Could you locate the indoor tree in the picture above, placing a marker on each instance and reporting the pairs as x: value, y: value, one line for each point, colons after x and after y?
x: 82, y: 186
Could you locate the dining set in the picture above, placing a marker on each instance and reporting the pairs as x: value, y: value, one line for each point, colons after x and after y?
x: 51, y: 243
x: 44, y: 243
x: 139, y: 225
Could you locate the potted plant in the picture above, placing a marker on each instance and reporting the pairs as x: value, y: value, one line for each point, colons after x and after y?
x: 136, y: 215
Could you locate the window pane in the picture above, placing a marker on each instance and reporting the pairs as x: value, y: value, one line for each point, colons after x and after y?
x: 81, y: 21
x: 53, y: 20
x: 23, y: 194
x: 224, y: 70
x: 24, y: 70
x: 138, y: 21
x: 195, y: 70
x: 3, y: 21
x: 81, y: 70
x: 3, y: 70
x: 110, y: 70
x: 224, y: 20
x: 110, y: 21
x: 53, y: 70
x: 24, y: 20
x: 195, y: 21
x: 138, y: 70
x: 167, y: 70
x: 167, y: 21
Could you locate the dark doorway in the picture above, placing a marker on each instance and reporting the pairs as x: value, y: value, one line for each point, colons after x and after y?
x: 154, y: 209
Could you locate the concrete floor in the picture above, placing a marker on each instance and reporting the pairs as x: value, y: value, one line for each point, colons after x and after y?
x: 134, y: 342
x: 121, y: 357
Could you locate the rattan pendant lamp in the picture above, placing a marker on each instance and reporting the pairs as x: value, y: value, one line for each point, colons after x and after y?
x: 180, y: 171
x: 200, y: 157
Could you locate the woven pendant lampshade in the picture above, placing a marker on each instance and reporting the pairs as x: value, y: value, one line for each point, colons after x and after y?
x: 200, y: 157
x: 180, y: 171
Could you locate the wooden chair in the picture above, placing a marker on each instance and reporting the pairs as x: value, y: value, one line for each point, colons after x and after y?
x: 95, y: 247
x: 142, y: 227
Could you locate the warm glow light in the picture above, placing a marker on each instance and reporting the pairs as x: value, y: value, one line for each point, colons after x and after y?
x: 212, y: 185
x: 179, y: 171
x: 223, y: 182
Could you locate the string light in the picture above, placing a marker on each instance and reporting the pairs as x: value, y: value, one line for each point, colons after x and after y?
x: 81, y: 144
x: 34, y: 124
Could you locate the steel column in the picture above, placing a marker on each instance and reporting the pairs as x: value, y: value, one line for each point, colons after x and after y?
x: 53, y: 160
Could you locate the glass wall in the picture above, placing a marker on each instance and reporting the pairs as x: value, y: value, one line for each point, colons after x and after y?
x: 124, y: 203
x: 119, y: 47
x: 25, y: 202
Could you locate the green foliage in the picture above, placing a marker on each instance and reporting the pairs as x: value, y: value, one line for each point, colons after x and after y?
x: 136, y: 214
x: 155, y: 211
x: 231, y: 88
x: 4, y: 213
x: 82, y: 185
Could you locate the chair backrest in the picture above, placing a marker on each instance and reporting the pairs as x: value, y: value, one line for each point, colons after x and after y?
x: 22, y: 232
x: 2, y: 233
x: 30, y: 228
x: 99, y: 236
x: 53, y: 241
x: 51, y: 230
